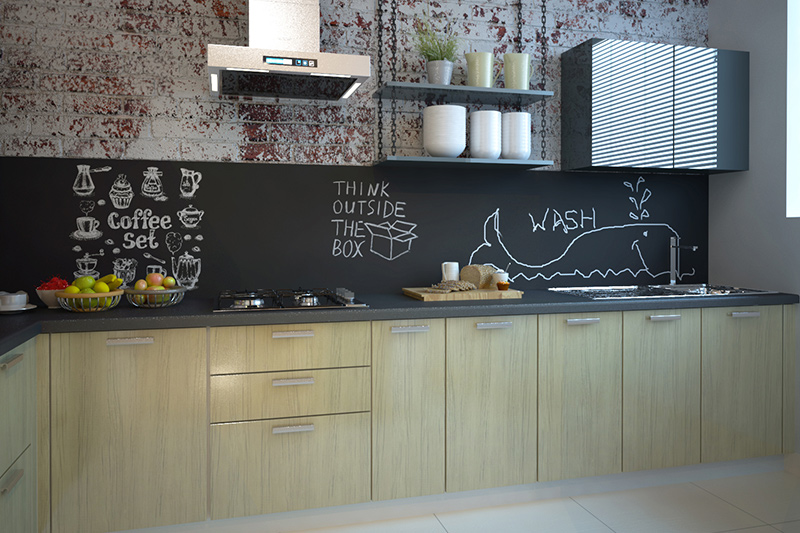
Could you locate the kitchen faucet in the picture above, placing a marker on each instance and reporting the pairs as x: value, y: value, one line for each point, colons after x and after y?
x: 674, y: 258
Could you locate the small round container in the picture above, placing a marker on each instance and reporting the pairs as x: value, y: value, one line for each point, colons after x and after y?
x: 48, y: 298
x: 91, y: 302
x: 155, y: 299
x: 13, y: 301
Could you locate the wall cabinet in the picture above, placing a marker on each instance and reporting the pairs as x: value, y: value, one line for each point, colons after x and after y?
x: 290, y: 422
x: 637, y: 105
x: 408, y: 408
x: 491, y: 402
x: 742, y: 382
x: 660, y: 389
x: 580, y: 395
x: 129, y: 429
x: 18, y: 438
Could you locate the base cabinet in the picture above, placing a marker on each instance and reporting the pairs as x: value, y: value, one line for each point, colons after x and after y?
x: 408, y: 410
x: 742, y: 382
x: 129, y: 430
x: 580, y: 395
x: 491, y: 402
x: 660, y: 389
x: 273, y: 466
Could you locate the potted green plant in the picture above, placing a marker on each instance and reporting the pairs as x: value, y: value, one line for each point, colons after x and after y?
x: 438, y: 47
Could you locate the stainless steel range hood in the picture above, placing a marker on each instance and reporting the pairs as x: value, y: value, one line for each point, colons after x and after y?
x: 283, y: 58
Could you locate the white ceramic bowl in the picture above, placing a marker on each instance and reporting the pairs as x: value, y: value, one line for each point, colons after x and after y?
x: 444, y: 130
x: 48, y: 298
x: 13, y: 301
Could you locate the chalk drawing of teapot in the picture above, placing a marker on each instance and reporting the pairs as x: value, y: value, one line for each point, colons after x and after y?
x: 186, y: 270
x: 190, y: 182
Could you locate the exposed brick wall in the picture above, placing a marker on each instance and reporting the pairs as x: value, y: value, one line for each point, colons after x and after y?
x: 127, y: 79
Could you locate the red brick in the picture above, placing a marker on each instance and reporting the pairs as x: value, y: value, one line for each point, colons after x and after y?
x: 21, y: 35
x: 109, y: 85
x: 267, y: 112
x: 103, y: 148
x: 27, y: 147
x: 17, y: 79
x: 93, y: 105
x: 265, y: 152
x: 29, y: 103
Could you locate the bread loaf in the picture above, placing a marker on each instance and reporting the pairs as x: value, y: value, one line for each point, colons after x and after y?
x: 478, y: 275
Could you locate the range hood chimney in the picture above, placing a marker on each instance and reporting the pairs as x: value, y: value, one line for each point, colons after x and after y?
x: 283, y: 58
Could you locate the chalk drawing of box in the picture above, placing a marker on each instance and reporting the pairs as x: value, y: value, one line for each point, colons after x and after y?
x: 390, y: 241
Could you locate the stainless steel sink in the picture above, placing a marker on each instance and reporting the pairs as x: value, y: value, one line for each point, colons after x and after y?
x: 620, y: 292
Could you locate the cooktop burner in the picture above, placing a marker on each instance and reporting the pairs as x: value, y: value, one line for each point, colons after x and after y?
x: 277, y: 299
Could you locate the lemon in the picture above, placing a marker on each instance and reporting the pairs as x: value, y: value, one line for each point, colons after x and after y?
x: 84, y: 282
x: 101, y: 286
x: 72, y: 289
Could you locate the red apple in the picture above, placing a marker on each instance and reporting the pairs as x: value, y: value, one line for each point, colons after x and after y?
x: 154, y: 279
x: 169, y: 282
x: 140, y: 285
x: 155, y: 299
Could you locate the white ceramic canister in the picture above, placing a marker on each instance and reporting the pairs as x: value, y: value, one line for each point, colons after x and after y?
x: 485, y: 134
x: 516, y: 135
x: 444, y: 130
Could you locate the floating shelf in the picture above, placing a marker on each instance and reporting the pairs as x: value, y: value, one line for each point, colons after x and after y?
x: 461, y: 94
x: 423, y: 161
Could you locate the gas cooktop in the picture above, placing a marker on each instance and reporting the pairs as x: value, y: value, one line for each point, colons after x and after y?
x: 286, y: 299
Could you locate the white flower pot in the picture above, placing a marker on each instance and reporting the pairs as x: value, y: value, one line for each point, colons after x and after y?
x: 484, y: 134
x: 444, y: 130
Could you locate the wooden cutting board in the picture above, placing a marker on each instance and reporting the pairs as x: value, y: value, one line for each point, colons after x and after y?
x: 422, y: 293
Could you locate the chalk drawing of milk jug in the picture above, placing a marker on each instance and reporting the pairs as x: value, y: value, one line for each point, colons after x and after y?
x: 190, y: 182
x: 186, y: 270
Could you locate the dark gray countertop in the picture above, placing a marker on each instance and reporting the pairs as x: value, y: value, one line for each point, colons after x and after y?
x: 194, y: 312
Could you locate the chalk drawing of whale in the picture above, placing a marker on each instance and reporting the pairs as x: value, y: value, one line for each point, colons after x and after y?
x: 614, y: 250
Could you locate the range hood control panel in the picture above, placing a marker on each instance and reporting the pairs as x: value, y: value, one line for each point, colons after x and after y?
x: 290, y: 61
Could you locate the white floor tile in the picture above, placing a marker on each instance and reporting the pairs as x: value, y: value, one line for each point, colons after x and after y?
x: 547, y: 516
x: 772, y: 497
x: 423, y: 524
x: 682, y: 508
x: 788, y: 527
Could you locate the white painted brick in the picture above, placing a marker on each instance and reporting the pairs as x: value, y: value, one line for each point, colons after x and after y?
x: 147, y: 148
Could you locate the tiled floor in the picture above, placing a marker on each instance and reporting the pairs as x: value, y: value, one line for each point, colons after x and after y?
x: 755, y: 503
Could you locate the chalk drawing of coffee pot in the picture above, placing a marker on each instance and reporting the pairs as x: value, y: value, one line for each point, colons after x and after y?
x: 190, y: 182
x: 186, y: 270
x: 190, y: 216
x: 83, y: 184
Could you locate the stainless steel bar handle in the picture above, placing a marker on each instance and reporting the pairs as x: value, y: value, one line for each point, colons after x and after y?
x: 129, y: 341
x: 582, y: 321
x: 12, y: 482
x: 293, y: 334
x: 410, y: 329
x: 494, y: 325
x: 17, y: 358
x: 292, y: 381
x: 745, y: 314
x: 664, y: 318
x: 292, y: 429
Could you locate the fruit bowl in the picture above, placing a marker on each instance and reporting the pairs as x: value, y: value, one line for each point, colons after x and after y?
x: 155, y: 299
x: 84, y: 303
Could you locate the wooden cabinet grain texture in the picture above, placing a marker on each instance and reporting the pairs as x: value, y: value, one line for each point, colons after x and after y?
x: 129, y: 430
x: 742, y: 397
x: 18, y: 498
x: 661, y: 389
x: 317, y: 462
x: 491, y: 402
x: 408, y: 408
x: 289, y: 347
x: 580, y: 395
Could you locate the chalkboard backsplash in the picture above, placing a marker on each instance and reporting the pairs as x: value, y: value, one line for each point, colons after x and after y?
x: 238, y: 225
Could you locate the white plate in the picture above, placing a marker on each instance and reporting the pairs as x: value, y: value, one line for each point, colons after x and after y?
x: 6, y: 311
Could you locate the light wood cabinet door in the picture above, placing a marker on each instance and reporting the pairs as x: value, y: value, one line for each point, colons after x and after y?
x: 18, y: 494
x: 282, y: 347
x: 742, y: 382
x: 129, y: 429
x: 580, y: 395
x: 491, y: 402
x: 661, y: 389
x: 273, y: 466
x: 17, y: 402
x: 408, y: 414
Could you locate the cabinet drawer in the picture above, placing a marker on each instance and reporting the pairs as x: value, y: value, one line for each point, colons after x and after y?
x: 289, y: 347
x: 18, y: 494
x: 17, y: 399
x: 239, y: 397
x: 285, y: 465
